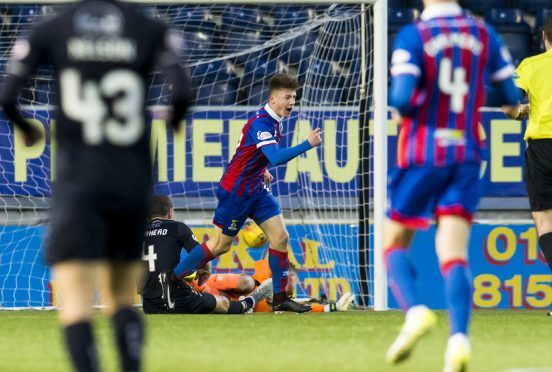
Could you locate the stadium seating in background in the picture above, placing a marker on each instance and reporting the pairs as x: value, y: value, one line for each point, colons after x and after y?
x: 540, y: 17
x: 256, y: 74
x: 483, y: 6
x: 215, y: 71
x: 336, y: 45
x: 330, y: 96
x: 397, y: 18
x: 397, y: 4
x: 194, y: 18
x: 243, y: 42
x: 417, y: 4
x: 199, y: 45
x: 322, y: 81
x: 257, y: 95
x: 322, y: 73
x: 515, y: 32
x: 292, y: 16
x: 353, y: 78
x: 217, y: 83
x: 24, y: 14
x: 534, y: 6
x: 298, y: 48
x: 237, y: 19
x: 43, y: 93
x: 220, y: 94
x: 266, y: 8
x: 158, y: 94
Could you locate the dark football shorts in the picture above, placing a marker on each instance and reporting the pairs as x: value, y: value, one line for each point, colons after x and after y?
x: 187, y: 301
x: 90, y: 229
x: 538, y: 174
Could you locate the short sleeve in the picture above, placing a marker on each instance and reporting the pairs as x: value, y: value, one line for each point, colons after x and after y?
x: 521, y: 78
x: 262, y: 132
x: 186, y: 237
x: 500, y: 61
x: 407, y: 57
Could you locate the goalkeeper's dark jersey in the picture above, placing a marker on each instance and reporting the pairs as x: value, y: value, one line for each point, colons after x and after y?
x: 163, y: 244
x: 102, y: 53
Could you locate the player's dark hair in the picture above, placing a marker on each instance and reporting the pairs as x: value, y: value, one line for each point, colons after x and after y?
x: 282, y: 81
x: 160, y: 205
x: 548, y: 27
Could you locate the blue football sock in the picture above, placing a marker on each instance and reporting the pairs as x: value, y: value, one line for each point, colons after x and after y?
x: 196, y: 259
x: 279, y: 266
x: 402, y: 278
x: 458, y: 294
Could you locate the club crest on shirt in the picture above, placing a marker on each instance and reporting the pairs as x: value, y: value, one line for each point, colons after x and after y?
x: 233, y: 226
x: 264, y: 135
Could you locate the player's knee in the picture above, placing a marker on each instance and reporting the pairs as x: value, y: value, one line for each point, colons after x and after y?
x: 280, y: 241
x: 246, y: 284
x: 220, y: 246
x: 396, y: 235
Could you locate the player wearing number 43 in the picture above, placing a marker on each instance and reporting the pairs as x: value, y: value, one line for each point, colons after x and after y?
x: 101, y: 58
x: 244, y: 190
x: 439, y: 65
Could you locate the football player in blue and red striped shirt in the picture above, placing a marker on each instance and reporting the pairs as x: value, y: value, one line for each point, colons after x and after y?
x: 244, y: 192
x: 439, y: 68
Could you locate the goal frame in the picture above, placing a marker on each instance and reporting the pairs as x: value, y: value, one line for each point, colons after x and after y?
x: 379, y: 139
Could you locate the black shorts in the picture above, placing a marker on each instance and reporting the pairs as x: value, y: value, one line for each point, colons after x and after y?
x: 538, y: 174
x: 90, y: 229
x: 187, y: 301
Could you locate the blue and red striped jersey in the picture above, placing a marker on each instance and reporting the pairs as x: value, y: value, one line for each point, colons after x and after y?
x: 451, y: 56
x: 244, y: 173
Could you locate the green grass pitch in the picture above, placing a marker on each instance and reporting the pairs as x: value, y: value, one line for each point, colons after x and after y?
x: 354, y: 341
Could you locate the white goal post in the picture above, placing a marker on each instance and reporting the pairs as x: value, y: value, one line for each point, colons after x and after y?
x: 310, y: 205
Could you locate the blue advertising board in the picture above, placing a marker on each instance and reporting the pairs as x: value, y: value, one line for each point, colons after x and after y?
x: 508, y: 270
x: 190, y: 162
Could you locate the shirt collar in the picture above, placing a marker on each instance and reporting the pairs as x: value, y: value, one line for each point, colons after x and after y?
x: 272, y: 114
x: 449, y: 9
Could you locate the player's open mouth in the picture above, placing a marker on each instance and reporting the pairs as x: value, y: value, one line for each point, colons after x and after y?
x: 288, y: 111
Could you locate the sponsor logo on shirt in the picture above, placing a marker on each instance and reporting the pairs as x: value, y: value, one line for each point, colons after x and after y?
x: 262, y: 136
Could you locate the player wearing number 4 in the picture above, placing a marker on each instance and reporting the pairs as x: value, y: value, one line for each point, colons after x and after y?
x: 101, y: 58
x: 244, y: 191
x: 438, y: 69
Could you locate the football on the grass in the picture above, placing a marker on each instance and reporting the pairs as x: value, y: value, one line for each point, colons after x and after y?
x: 253, y: 236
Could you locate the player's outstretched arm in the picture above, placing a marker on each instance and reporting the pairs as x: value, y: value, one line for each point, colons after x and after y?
x: 278, y: 156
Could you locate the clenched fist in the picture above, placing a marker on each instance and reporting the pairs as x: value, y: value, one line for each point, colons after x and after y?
x: 315, y: 137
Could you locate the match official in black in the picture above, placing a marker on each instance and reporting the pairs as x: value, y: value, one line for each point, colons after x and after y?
x: 533, y: 78
x: 102, y: 52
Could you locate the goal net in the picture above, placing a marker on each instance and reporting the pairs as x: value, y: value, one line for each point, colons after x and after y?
x: 231, y: 51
